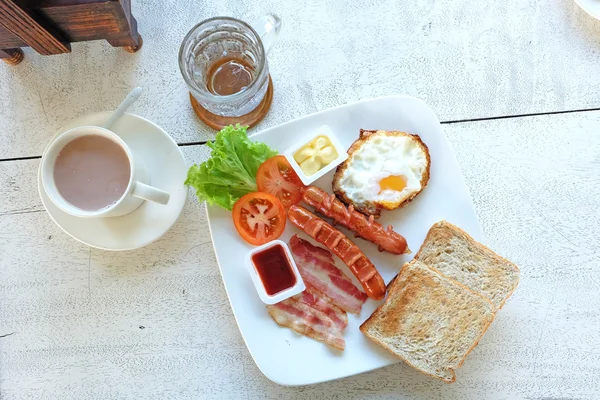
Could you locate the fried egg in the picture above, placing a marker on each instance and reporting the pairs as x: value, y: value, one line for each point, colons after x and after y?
x: 384, y: 170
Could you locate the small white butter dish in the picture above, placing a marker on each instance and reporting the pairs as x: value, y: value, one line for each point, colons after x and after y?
x: 274, y: 272
x: 322, y: 131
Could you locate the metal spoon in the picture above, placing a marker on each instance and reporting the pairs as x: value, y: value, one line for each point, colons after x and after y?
x: 125, y: 104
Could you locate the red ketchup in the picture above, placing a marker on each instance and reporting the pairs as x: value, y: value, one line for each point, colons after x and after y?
x: 274, y: 269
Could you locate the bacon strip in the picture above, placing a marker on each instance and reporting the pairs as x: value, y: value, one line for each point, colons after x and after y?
x: 364, y: 227
x: 318, y: 271
x: 317, y: 300
x: 307, y: 321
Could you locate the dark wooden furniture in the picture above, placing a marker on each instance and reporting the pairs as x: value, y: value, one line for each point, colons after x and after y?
x: 49, y: 26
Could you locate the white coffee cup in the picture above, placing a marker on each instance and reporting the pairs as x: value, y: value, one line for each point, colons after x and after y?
x: 138, y: 188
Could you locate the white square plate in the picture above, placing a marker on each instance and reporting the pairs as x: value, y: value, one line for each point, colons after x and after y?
x: 284, y: 356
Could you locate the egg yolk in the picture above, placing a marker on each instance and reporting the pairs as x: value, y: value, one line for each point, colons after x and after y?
x: 392, y: 182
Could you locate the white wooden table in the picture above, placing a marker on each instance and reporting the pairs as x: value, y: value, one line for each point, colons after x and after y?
x: 79, y: 323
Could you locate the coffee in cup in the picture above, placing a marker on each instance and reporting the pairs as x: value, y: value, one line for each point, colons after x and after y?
x: 91, y: 172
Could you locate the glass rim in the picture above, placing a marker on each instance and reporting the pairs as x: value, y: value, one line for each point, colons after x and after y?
x: 213, y: 97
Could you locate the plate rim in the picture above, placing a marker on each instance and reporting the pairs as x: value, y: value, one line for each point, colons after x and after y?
x: 583, y: 5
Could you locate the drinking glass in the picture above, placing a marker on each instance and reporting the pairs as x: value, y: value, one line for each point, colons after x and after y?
x: 216, y: 39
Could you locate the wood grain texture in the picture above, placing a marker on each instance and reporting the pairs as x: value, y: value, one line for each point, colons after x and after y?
x: 82, y: 20
x: 11, y: 56
x: 33, y: 33
x: 466, y: 59
x: 155, y: 323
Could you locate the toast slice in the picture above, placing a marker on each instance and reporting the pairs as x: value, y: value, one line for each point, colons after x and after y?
x: 429, y: 320
x: 457, y: 255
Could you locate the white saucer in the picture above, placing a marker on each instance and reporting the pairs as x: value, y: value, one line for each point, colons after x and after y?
x: 167, y: 169
x: 592, y: 7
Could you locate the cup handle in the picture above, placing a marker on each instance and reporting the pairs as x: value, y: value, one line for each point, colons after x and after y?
x: 268, y: 27
x: 150, y: 193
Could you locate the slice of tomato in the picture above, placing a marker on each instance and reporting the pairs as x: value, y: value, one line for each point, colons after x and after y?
x: 259, y: 217
x: 277, y: 177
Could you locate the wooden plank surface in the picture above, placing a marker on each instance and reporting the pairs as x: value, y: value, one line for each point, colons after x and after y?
x: 466, y: 59
x: 155, y: 323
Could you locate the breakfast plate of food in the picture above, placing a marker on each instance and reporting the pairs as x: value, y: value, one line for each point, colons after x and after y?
x: 347, y: 241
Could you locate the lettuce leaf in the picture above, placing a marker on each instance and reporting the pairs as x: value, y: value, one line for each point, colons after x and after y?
x: 230, y: 172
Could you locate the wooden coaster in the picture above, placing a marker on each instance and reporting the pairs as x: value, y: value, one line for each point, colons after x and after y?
x: 218, y: 122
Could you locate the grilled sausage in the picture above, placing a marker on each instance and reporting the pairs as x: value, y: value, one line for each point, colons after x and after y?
x: 341, y: 246
x: 364, y: 227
